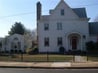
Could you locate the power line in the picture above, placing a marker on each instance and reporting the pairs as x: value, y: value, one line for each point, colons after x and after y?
x: 20, y: 14
x: 28, y: 13
x: 95, y: 4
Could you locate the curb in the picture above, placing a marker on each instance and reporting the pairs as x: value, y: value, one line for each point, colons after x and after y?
x: 49, y: 67
x: 33, y: 67
x: 54, y: 65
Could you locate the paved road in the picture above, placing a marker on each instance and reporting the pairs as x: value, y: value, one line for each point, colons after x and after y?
x: 9, y: 70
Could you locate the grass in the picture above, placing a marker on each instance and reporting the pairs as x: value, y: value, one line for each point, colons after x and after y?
x: 93, y: 58
x: 43, y: 58
x: 37, y: 58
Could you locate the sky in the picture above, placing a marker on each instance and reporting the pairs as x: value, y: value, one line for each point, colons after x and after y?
x: 24, y: 11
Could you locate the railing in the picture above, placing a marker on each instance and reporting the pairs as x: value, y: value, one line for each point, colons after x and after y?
x: 37, y: 58
x: 47, y: 58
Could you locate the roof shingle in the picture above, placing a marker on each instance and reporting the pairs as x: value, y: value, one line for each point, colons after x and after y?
x: 81, y: 12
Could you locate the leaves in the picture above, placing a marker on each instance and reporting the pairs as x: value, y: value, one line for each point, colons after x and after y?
x: 17, y: 28
x: 92, y: 46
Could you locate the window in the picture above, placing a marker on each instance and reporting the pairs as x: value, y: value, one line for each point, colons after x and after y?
x: 0, y: 44
x: 46, y: 26
x: 15, y: 38
x: 59, y: 26
x: 62, y: 12
x: 46, y: 41
x: 59, y: 41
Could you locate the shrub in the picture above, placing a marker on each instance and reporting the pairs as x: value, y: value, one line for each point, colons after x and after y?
x: 96, y: 47
x: 6, y: 51
x: 33, y: 51
x: 62, y: 50
x: 90, y: 46
x: 20, y: 51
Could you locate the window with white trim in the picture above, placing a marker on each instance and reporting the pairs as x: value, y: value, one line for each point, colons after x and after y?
x: 59, y: 26
x: 59, y: 41
x: 62, y: 12
x: 46, y: 26
x: 46, y: 42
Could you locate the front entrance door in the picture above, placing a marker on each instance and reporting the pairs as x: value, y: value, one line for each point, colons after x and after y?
x: 74, y: 42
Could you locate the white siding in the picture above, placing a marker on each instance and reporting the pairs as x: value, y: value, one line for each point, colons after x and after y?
x: 70, y: 23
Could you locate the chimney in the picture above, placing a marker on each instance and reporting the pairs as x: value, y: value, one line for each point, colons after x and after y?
x: 39, y: 9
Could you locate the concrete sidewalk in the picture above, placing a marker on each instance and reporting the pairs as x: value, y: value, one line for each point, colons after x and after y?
x: 61, y: 65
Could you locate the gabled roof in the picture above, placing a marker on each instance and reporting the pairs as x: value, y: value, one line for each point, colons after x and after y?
x: 16, y: 35
x: 81, y: 12
x: 62, y: 2
x: 93, y: 28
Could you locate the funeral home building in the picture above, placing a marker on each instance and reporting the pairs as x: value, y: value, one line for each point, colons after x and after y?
x: 64, y: 27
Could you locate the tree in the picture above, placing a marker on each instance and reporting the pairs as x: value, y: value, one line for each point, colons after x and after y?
x: 96, y: 47
x: 90, y: 46
x: 29, y: 37
x: 17, y: 28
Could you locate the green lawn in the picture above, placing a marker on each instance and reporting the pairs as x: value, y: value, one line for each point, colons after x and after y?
x: 93, y: 58
x: 37, y: 58
x: 43, y: 58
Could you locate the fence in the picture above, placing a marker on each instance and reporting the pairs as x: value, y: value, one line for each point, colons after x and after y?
x: 37, y: 58
x: 46, y: 58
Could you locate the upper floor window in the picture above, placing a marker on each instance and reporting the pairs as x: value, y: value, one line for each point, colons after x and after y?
x: 59, y: 26
x: 62, y: 12
x: 46, y: 41
x: 59, y: 41
x: 46, y: 26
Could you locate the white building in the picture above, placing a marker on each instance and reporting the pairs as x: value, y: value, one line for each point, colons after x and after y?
x: 66, y: 27
x: 14, y: 43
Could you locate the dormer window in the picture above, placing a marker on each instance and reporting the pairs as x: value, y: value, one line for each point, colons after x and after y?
x: 62, y: 12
